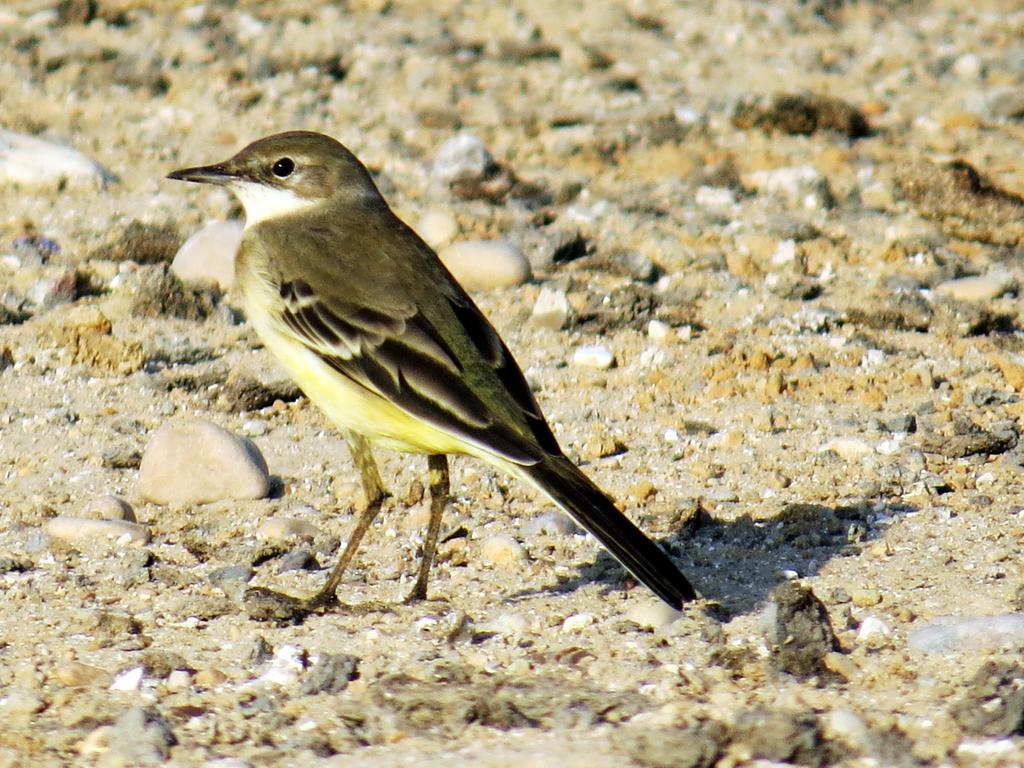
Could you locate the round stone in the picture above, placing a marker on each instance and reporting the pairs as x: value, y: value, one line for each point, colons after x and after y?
x: 596, y: 356
x: 209, y: 254
x: 437, y: 227
x: 191, y: 461
x: 80, y: 530
x: 501, y: 549
x: 283, y: 528
x: 109, y: 507
x: 483, y: 265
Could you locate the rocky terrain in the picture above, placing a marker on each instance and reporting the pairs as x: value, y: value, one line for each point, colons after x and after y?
x: 773, y: 253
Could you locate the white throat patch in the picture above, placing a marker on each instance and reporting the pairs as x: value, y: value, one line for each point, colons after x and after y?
x: 262, y: 202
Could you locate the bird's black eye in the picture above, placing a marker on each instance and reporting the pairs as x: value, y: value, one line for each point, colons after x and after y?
x: 283, y: 168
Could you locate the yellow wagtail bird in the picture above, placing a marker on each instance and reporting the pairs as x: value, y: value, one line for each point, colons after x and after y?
x: 376, y: 331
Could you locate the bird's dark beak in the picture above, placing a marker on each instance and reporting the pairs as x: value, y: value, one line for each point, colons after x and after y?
x: 204, y: 174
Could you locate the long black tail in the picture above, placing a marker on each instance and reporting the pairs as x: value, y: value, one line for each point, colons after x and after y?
x: 588, y: 505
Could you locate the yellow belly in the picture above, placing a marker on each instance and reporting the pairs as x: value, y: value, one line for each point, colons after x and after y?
x: 350, y: 406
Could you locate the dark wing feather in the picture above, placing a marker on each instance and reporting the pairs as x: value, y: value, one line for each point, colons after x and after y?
x: 400, y: 356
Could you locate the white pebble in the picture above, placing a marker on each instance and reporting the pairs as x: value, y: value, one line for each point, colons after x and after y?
x: 81, y: 530
x: 209, y: 254
x: 129, y: 680
x: 226, y: 762
x: 288, y: 663
x: 846, y: 726
x: 968, y: 67
x: 578, y: 621
x: 594, y: 357
x: 254, y: 427
x: 658, y: 330
x: 502, y: 549
x: 652, y: 615
x: 513, y: 624
x: 849, y: 448
x: 281, y: 528
x: 981, y: 288
x: 33, y: 162
x: 481, y: 265
x: 873, y: 629
x: 552, y: 523
x: 109, y: 507
x: 437, y: 227
x: 714, y: 197
x: 191, y: 461
x: 551, y: 310
x: 461, y: 157
x: 799, y: 186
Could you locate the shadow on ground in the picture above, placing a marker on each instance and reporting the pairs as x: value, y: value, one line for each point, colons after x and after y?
x: 737, y: 563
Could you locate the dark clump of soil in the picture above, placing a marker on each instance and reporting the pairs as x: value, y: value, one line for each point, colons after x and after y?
x: 801, y: 633
x: 801, y: 114
x: 161, y: 292
x: 993, y: 705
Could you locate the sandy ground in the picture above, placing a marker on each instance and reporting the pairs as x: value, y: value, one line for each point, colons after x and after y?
x: 827, y: 406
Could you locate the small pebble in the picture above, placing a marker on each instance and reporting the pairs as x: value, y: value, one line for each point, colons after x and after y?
x: 283, y: 528
x: 230, y: 577
x: 437, y: 226
x: 841, y: 664
x: 551, y: 310
x: 551, y: 523
x: 848, y: 727
x: 652, y: 615
x: 501, y: 549
x: 849, y: 448
x: 799, y: 186
x: 298, y: 560
x: 658, y: 330
x: 578, y: 621
x: 226, y: 762
x: 330, y: 673
x: 463, y: 157
x: 254, y: 428
x: 109, y: 507
x: 54, y: 291
x: 209, y: 678
x: 209, y: 254
x: 179, y: 680
x: 129, y: 680
x: 865, y: 598
x: 288, y: 663
x: 80, y: 530
x: 714, y: 197
x: 980, y: 288
x: 483, y: 265
x: 594, y: 357
x: 33, y: 162
x: 508, y: 624
x: 191, y: 461
x: 75, y: 674
x: 873, y: 631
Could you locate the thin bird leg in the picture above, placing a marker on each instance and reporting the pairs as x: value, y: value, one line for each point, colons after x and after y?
x: 440, y: 485
x: 373, y: 487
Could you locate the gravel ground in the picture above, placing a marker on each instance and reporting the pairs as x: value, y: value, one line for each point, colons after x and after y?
x: 817, y: 203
